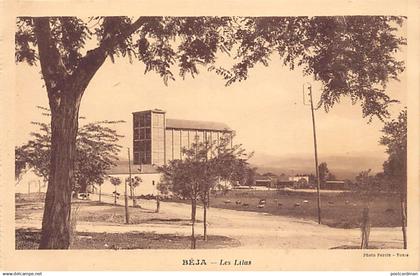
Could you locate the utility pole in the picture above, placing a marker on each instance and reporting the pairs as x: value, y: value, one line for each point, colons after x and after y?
x: 127, y: 216
x: 318, y: 184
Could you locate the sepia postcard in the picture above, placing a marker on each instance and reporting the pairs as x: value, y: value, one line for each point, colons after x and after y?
x: 218, y: 135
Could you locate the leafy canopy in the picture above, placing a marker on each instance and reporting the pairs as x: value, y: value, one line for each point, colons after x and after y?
x: 97, y: 149
x: 395, y: 139
x: 202, y: 167
x: 352, y: 56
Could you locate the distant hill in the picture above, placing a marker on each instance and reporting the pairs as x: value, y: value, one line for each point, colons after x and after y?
x: 346, y: 166
x: 343, y: 167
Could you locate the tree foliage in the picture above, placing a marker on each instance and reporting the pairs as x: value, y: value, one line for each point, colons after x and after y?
x: 115, y: 181
x: 395, y: 139
x: 352, y: 56
x: 97, y: 151
x: 395, y: 168
x: 203, y: 166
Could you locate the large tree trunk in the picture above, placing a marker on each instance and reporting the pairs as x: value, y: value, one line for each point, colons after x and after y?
x: 65, y: 89
x: 56, y: 218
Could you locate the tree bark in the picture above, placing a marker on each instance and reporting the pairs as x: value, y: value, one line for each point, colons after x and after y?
x: 65, y: 89
x: 56, y: 218
x: 100, y: 192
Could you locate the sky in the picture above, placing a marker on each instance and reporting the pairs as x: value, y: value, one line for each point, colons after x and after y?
x: 266, y: 110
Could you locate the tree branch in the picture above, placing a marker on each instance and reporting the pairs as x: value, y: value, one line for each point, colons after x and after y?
x: 94, y: 58
x: 52, y: 67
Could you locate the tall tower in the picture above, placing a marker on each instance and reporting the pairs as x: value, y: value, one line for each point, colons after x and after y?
x: 149, y: 137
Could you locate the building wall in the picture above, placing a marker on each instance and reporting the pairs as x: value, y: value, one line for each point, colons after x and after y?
x: 156, y: 144
x: 149, y: 137
x: 177, y: 139
x: 30, y: 183
x: 142, y: 138
x: 148, y: 186
x: 297, y: 178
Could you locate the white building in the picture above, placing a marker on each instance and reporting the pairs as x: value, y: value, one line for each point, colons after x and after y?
x: 28, y: 182
x: 148, y: 175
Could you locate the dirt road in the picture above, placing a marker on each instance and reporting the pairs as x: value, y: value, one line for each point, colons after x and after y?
x: 251, y: 229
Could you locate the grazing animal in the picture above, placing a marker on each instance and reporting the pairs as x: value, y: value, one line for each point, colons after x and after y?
x: 245, y: 204
x: 330, y: 202
x: 389, y: 210
x: 279, y: 204
x: 347, y: 202
x: 238, y: 202
x: 297, y: 204
x: 261, y: 205
x: 262, y: 201
x: 305, y: 201
x: 227, y: 201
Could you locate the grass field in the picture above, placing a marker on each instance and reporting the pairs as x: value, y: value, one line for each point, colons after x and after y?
x: 30, y: 207
x: 29, y: 239
x: 341, y: 210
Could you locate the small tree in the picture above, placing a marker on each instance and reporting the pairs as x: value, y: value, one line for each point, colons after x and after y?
x: 204, y: 165
x: 250, y: 176
x: 367, y: 186
x: 134, y: 183
x: 323, y: 172
x: 163, y: 189
x: 97, y: 149
x: 181, y: 177
x: 115, y: 181
x: 395, y: 168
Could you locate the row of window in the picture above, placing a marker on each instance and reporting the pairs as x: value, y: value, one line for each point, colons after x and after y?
x: 146, y: 133
x: 142, y: 120
x: 174, y: 142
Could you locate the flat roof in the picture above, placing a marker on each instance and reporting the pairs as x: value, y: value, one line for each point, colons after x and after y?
x: 196, y: 125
